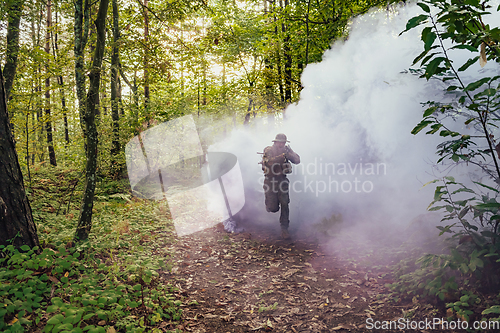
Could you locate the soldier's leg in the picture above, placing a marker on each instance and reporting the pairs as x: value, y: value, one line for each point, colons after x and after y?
x: 284, y: 199
x: 271, y: 195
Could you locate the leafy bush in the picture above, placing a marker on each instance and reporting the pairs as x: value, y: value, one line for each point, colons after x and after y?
x: 472, y: 216
x: 109, y: 282
x: 66, y: 290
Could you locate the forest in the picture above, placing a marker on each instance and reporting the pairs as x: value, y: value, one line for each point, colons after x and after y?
x: 85, y: 86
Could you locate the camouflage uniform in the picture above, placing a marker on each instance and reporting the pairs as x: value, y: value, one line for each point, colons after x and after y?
x: 274, y: 165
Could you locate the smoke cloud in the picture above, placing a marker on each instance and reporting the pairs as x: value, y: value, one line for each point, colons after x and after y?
x: 352, y: 128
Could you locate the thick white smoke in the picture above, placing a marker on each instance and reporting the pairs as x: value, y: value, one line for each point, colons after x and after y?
x: 354, y: 118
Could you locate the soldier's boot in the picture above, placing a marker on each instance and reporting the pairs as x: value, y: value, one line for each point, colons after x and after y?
x: 284, y: 233
x: 284, y: 220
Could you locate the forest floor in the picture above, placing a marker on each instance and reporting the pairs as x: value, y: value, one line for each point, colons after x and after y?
x: 255, y: 281
x: 328, y: 277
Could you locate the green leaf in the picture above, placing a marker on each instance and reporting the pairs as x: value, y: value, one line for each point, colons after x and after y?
x: 55, y: 320
x: 415, y: 21
x: 486, y: 186
x: 424, y: 7
x: 472, y: 266
x: 429, y: 57
x: 468, y: 121
x: 490, y: 92
x: 450, y: 133
x: 468, y: 64
x: 487, y: 233
x: 463, y: 189
x: 88, y: 316
x: 488, y: 206
x: 423, y: 124
x: 78, y: 316
x: 465, y: 47
x: 429, y: 40
x: 450, y: 179
x: 430, y: 111
x: 445, y: 229
x: 52, y: 308
x: 474, y: 85
x: 478, y: 262
x: 431, y: 182
x: 434, y: 128
x: 463, y: 212
x: 438, y: 193
x: 433, y: 67
x: 492, y: 309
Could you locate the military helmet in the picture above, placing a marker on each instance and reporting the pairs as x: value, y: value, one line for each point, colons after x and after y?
x: 280, y: 138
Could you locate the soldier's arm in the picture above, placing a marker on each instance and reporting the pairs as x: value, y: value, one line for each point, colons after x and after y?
x: 292, y: 156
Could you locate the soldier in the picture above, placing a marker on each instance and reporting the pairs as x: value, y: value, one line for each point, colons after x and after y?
x: 276, y: 165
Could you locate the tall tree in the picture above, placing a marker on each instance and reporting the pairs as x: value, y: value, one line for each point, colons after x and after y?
x: 14, y: 18
x: 287, y: 54
x: 60, y: 81
x: 16, y: 220
x: 115, y: 60
x: 146, y: 60
x: 81, y: 28
x: 48, y: 120
x: 85, y: 218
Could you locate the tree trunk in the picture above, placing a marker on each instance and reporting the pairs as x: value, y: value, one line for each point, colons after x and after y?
x: 12, y: 50
x: 16, y: 219
x: 81, y: 28
x: 307, y: 31
x: 204, y: 101
x: 278, y: 59
x: 60, y: 81
x: 36, y: 84
x: 115, y: 149
x: 268, y: 70
x: 39, y: 116
x: 146, y: 62
x: 119, y: 94
x: 65, y: 110
x: 48, y: 121
x: 85, y: 219
x: 135, y: 88
x: 288, y: 60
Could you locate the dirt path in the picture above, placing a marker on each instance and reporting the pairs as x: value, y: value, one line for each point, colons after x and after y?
x: 246, y: 282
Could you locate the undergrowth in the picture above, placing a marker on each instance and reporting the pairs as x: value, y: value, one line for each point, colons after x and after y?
x: 107, y: 284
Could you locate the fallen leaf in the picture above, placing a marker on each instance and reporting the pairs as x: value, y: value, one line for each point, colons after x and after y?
x: 53, y: 279
x: 340, y: 327
x: 482, y: 55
